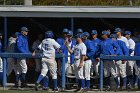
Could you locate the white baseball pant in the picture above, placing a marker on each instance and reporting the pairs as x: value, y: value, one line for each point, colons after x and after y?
x: 21, y: 66
x: 87, y: 68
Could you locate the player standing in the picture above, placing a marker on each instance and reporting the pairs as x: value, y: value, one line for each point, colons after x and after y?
x: 48, y: 47
x: 22, y: 47
x: 79, y: 56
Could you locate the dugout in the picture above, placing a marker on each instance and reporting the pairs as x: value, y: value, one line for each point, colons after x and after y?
x: 41, y: 18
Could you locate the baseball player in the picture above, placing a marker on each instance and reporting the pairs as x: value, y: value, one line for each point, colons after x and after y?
x: 79, y: 56
x: 88, y: 59
x: 121, y: 65
x: 48, y: 47
x: 137, y: 53
x: 22, y: 47
x: 118, y: 32
x: 106, y: 47
x: 130, y: 64
x: 95, y: 42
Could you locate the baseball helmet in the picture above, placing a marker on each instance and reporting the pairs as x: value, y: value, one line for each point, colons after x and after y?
x: 49, y: 34
x: 79, y: 35
x: 113, y: 36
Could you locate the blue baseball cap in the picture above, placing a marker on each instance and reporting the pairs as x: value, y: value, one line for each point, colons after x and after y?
x: 113, y: 36
x: 117, y: 30
x: 79, y: 30
x: 127, y: 33
x: 94, y: 32
x: 79, y: 36
x: 17, y: 33
x: 65, y: 30
x: 105, y: 32
x: 86, y: 34
x: 70, y: 33
x: 24, y: 29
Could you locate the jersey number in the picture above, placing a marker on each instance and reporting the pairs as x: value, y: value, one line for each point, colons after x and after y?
x: 46, y: 47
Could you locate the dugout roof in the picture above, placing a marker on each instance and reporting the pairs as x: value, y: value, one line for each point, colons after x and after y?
x: 70, y: 11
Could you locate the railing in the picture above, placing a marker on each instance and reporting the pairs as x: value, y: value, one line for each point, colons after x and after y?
x: 105, y: 57
x: 4, y: 56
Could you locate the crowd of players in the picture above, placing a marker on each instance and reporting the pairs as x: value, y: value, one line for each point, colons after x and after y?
x: 82, y: 57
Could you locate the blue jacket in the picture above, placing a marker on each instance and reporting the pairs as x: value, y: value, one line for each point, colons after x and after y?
x: 90, y: 49
x: 123, y: 48
x: 64, y: 49
x: 96, y: 43
x: 22, y: 44
x: 137, y: 53
x: 107, y: 46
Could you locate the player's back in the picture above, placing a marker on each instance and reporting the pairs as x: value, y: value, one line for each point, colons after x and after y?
x: 48, y: 47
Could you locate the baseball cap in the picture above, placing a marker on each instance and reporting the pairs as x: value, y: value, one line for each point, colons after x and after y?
x: 127, y: 33
x: 117, y: 30
x: 105, y: 32
x: 113, y: 36
x: 79, y: 35
x: 24, y: 29
x: 17, y: 33
x: 70, y: 33
x: 79, y: 30
x: 65, y: 30
x: 94, y: 32
x: 86, y: 34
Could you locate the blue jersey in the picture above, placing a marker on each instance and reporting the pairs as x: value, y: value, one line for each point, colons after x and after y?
x: 90, y: 49
x: 64, y: 49
x: 107, y: 46
x: 22, y: 44
x: 137, y: 53
x: 95, y: 43
x: 123, y: 48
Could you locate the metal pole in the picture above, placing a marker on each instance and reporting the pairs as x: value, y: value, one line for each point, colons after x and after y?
x: 101, y: 75
x: 4, y: 2
x: 4, y: 73
x: 72, y: 24
x: 5, y: 32
x: 63, y: 73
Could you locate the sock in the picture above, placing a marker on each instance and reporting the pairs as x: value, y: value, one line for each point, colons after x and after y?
x: 139, y: 83
x: 23, y: 75
x: 55, y: 83
x: 131, y: 79
x: 82, y: 83
x: 117, y: 81
x: 45, y: 81
x: 17, y: 77
x: 136, y: 80
x: 79, y: 83
x: 39, y: 78
x: 124, y: 81
x: 88, y: 83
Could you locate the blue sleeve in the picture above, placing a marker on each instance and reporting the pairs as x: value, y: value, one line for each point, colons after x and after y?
x: 61, y: 43
x: 20, y: 46
x: 0, y: 47
x: 117, y: 47
x: 125, y: 49
x: 137, y: 49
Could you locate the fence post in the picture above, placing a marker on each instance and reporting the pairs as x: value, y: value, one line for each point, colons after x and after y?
x: 101, y: 75
x: 4, y: 73
x: 63, y: 72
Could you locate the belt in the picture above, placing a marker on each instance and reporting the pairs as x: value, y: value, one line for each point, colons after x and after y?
x: 75, y: 59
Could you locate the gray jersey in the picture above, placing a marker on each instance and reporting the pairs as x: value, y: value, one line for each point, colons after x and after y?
x: 79, y: 50
x: 48, y: 47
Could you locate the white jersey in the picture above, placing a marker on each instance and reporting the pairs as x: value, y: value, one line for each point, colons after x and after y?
x: 124, y: 39
x: 131, y: 46
x: 48, y: 47
x: 79, y: 50
x: 35, y: 46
